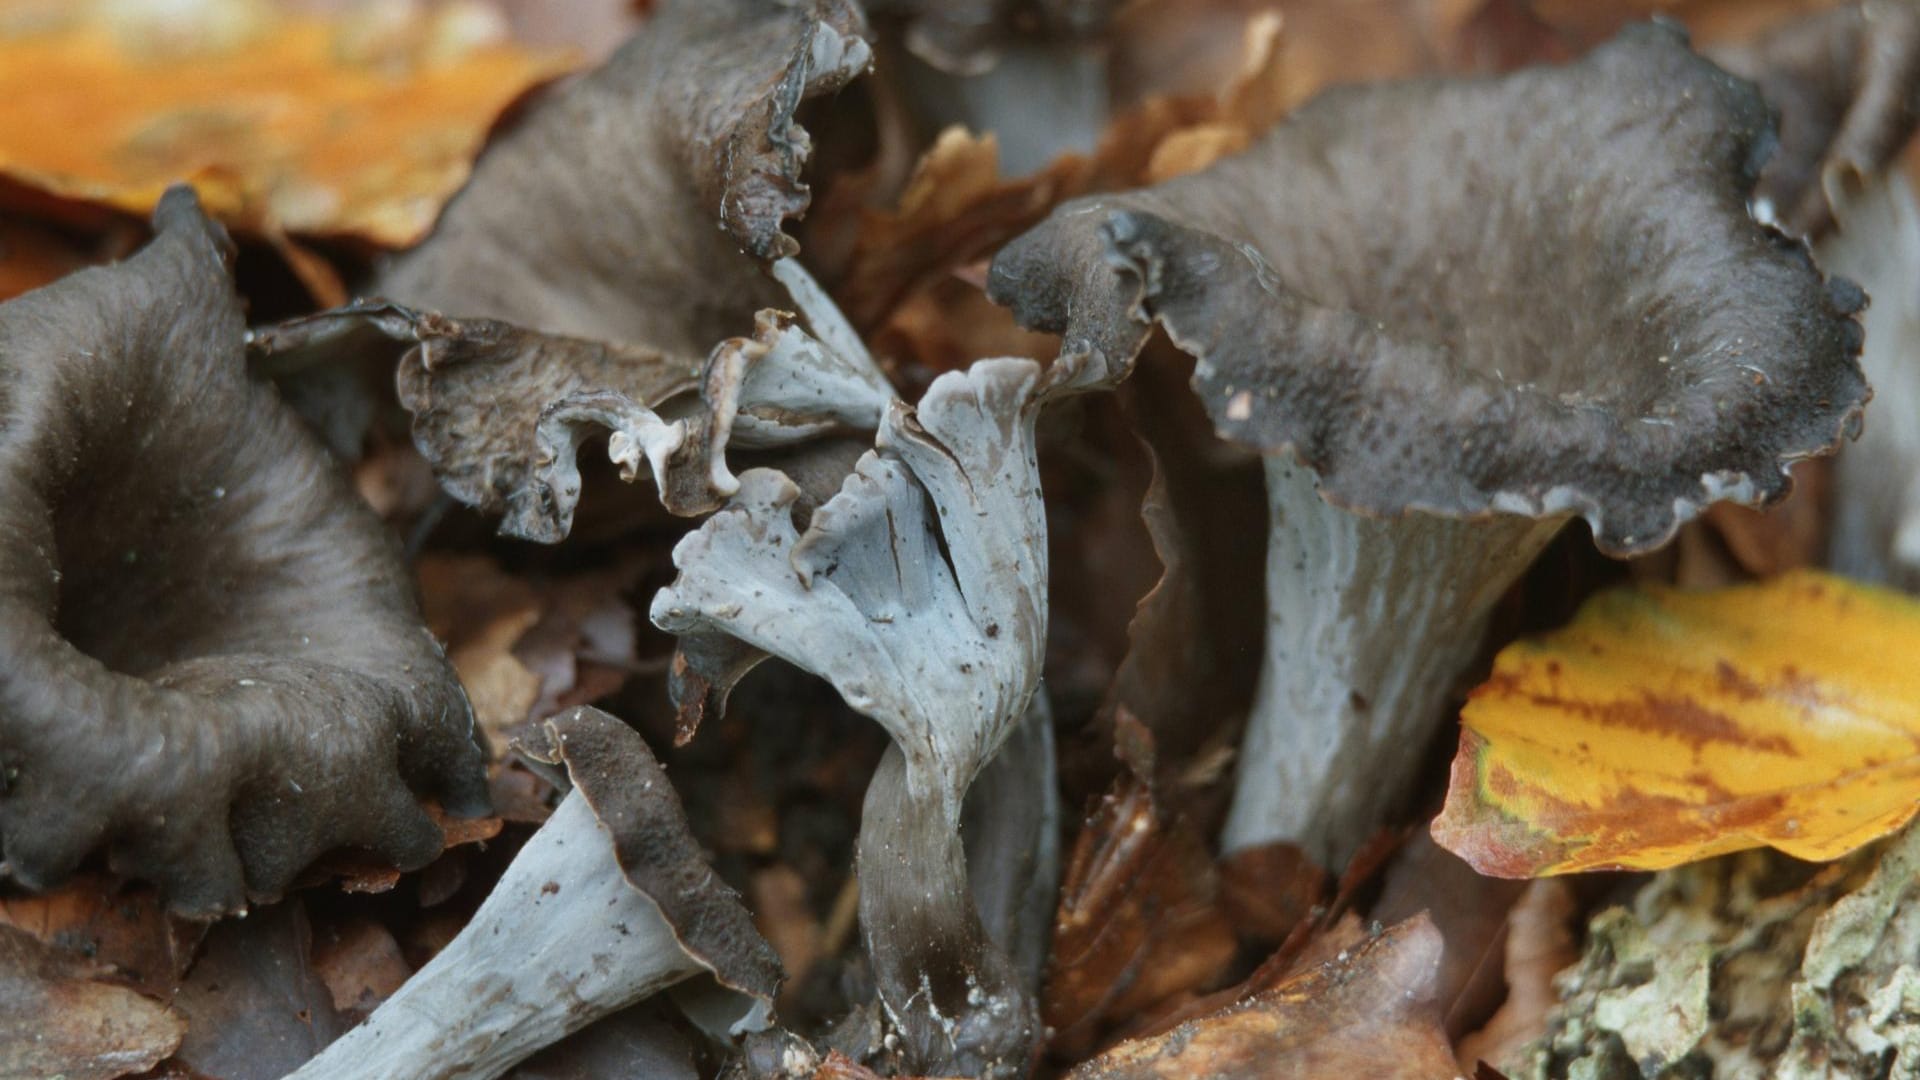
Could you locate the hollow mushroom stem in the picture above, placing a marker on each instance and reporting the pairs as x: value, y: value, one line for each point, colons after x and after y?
x: 914, y: 888
x: 562, y: 941
x: 608, y: 903
x: 1369, y: 621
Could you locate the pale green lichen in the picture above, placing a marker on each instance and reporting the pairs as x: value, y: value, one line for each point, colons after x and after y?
x: 1752, y: 966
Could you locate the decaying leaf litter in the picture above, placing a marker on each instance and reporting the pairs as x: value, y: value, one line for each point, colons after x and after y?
x: 844, y: 539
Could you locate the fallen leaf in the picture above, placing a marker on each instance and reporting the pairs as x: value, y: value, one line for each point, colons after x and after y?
x: 1470, y: 911
x: 519, y: 795
x: 781, y: 913
x: 1662, y: 727
x: 480, y: 612
x: 31, y: 257
x: 59, y: 1019
x: 1366, y: 1012
x: 1784, y: 537
x: 957, y: 208
x: 357, y: 124
x: 361, y: 964
x: 360, y: 872
x: 1539, y: 945
x: 104, y: 920
x: 583, y: 647
x: 1329, y: 933
x: 1269, y: 889
x: 255, y: 1009
x: 1138, y: 920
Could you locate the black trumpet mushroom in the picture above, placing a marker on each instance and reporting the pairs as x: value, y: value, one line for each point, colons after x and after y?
x: 1453, y: 314
x: 212, y: 662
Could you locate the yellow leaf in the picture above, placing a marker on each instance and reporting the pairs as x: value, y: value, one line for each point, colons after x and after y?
x: 283, y: 123
x: 1664, y: 726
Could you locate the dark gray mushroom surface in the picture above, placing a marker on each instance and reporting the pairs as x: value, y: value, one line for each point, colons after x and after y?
x: 1538, y: 294
x: 212, y: 663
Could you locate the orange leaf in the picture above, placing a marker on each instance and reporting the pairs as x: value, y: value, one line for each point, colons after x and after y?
x: 281, y: 122
x: 1663, y: 726
x: 1367, y: 1012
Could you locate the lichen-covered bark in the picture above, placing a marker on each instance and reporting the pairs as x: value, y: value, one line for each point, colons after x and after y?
x: 1752, y: 965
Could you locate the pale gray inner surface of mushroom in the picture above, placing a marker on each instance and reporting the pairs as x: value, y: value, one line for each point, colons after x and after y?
x: 585, y: 943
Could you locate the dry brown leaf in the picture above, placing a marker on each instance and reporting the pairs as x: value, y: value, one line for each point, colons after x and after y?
x: 395, y: 479
x: 360, y: 124
x: 58, y: 1019
x: 126, y: 928
x: 1366, y: 1012
x: 357, y: 872
x: 255, y: 1009
x: 957, y: 208
x: 31, y: 257
x: 583, y: 648
x: 950, y: 323
x: 1269, y: 889
x: 1138, y: 920
x: 1785, y: 537
x: 778, y: 898
x: 480, y: 613
x: 1540, y: 944
x: 519, y: 795
x: 361, y: 964
x: 1469, y: 910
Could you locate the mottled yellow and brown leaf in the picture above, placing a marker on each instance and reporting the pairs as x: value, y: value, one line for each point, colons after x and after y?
x: 357, y: 125
x: 1664, y: 726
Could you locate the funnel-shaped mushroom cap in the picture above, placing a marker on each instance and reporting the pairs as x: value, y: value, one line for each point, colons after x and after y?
x: 617, y: 208
x: 1536, y: 294
x: 211, y: 659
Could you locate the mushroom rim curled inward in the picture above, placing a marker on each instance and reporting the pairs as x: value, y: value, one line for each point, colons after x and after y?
x: 1758, y: 366
x: 212, y: 663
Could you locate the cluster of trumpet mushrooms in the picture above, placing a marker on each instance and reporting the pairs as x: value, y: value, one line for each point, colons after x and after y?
x: 1453, y: 316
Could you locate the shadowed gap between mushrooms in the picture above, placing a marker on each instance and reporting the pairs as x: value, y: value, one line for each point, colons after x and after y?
x: 212, y: 664
x: 1846, y: 85
x: 608, y: 903
x: 1450, y: 333
x: 1876, y: 510
x: 918, y: 592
